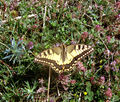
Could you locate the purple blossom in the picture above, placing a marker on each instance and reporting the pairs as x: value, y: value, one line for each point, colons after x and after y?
x: 57, y: 45
x: 14, y: 4
x: 113, y: 68
x: 73, y: 42
x: 113, y: 63
x: 52, y: 100
x: 30, y: 45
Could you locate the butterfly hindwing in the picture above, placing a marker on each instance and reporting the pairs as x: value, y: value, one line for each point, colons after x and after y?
x: 74, y: 54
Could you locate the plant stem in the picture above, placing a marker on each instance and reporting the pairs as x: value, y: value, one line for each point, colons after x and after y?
x: 48, y: 84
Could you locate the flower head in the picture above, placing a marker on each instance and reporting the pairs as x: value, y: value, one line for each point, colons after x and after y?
x: 108, y: 93
x: 108, y: 38
x: 73, y: 81
x: 107, y: 68
x: 118, y: 4
x: 73, y: 42
x: 41, y: 90
x: 84, y: 35
x: 34, y: 27
x: 41, y: 81
x: 98, y: 28
x: 107, y: 52
x: 102, y: 80
x: 80, y: 66
x: 30, y: 45
x: 92, y: 80
x: 64, y: 80
x: 85, y: 93
x: 113, y: 63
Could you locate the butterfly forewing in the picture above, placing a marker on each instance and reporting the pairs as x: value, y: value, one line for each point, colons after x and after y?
x: 51, y: 57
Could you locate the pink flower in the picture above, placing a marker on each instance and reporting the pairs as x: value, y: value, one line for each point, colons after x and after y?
x: 96, y: 6
x: 108, y: 93
x: 41, y: 81
x: 107, y: 52
x: 101, y: 7
x: 102, y: 80
x: 30, y: 45
x: 84, y: 35
x: 107, y: 68
x: 52, y: 100
x: 65, y: 87
x: 14, y: 4
x: 98, y: 28
x: 34, y: 26
x: 57, y: 44
x: 92, y: 80
x: 80, y: 66
x: 113, y: 63
x: 118, y: 4
x: 73, y: 81
x: 41, y: 90
x: 108, y: 38
x: 73, y: 42
x: 64, y: 80
x: 109, y: 83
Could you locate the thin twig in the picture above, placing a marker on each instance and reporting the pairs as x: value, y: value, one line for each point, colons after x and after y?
x: 58, y: 90
x: 49, y: 83
x: 44, y: 17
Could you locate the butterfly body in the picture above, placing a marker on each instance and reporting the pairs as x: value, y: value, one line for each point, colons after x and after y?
x: 63, y: 58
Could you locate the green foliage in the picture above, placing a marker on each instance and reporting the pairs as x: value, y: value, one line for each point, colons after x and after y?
x: 90, y: 94
x: 59, y: 21
x: 15, y: 51
x: 29, y: 90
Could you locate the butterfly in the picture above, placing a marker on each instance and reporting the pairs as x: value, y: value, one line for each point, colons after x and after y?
x: 63, y: 58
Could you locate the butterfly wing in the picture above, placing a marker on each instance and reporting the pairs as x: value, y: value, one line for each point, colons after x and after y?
x: 51, y: 57
x: 71, y: 55
x: 74, y: 54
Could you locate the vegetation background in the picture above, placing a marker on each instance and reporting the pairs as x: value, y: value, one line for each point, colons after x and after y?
x: 28, y: 27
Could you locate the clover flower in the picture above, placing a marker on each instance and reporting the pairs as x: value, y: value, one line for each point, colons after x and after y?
x: 30, y: 45
x: 108, y: 93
